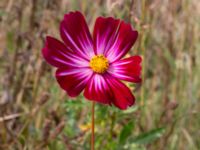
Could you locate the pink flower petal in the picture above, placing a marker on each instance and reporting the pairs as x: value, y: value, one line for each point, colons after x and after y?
x: 113, y: 38
x: 108, y: 90
x: 58, y: 55
x: 98, y: 90
x: 105, y: 31
x: 75, y: 33
x: 128, y: 69
x: 122, y: 96
x: 73, y: 80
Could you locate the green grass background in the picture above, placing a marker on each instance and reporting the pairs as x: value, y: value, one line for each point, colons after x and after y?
x: 37, y: 115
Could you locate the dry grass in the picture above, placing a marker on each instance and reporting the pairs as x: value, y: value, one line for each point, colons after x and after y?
x: 36, y: 114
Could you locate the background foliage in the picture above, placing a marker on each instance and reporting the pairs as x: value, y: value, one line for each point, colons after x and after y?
x: 35, y: 114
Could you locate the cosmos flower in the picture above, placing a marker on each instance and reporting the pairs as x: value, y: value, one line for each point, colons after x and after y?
x: 95, y: 64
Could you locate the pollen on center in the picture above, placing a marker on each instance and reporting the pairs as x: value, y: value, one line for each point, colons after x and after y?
x: 99, y: 64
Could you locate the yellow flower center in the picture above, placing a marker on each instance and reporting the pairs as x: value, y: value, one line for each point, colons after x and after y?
x: 99, y: 64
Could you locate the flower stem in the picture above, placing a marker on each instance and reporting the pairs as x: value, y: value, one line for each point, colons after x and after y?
x: 92, y: 135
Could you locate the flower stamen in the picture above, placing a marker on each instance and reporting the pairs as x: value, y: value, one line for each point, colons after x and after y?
x: 99, y: 64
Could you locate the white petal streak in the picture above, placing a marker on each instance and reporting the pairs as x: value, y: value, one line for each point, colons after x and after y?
x: 76, y: 61
x: 85, y: 78
x: 99, y: 82
x: 73, y: 43
x: 79, y: 72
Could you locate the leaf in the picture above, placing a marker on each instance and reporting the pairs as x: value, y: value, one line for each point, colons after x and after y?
x: 130, y: 110
x: 126, y: 132
x: 149, y: 137
x: 10, y: 41
x: 2, y: 13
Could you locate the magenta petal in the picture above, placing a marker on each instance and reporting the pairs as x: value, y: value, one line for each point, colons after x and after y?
x: 108, y: 90
x: 53, y: 50
x: 58, y: 55
x: 124, y: 40
x: 75, y: 33
x: 128, y: 69
x: 98, y: 90
x: 73, y: 80
x: 113, y: 38
x: 122, y: 96
x: 104, y: 34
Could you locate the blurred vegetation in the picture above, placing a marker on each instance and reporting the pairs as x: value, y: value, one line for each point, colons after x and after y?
x: 35, y: 114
